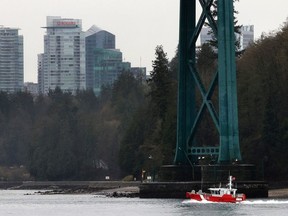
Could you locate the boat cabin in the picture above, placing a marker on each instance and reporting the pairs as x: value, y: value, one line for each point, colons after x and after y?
x: 222, y: 191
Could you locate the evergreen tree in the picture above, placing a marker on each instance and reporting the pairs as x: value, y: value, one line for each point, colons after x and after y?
x: 160, y: 82
x: 237, y: 28
x: 163, y: 92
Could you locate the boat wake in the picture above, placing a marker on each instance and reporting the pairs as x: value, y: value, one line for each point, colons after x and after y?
x: 246, y: 202
x: 264, y: 202
x: 190, y: 201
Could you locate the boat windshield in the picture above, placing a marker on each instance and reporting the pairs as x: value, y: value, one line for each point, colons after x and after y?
x: 214, y: 191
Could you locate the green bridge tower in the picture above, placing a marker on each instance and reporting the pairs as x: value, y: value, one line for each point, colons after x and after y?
x: 226, y: 119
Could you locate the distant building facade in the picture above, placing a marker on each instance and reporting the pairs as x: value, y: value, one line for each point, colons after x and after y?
x: 108, y: 66
x: 103, y: 61
x: 75, y: 60
x: 245, y: 38
x: 96, y: 38
x: 11, y: 60
x: 63, y: 62
x: 40, y: 73
x: 31, y: 88
x: 139, y: 72
x: 205, y: 36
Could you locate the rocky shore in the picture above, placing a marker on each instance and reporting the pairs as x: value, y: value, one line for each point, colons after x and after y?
x: 116, y: 192
x: 120, y: 192
x: 105, y: 188
x: 278, y: 193
x: 134, y: 192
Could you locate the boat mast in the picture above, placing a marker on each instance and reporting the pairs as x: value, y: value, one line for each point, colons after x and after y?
x: 230, y: 183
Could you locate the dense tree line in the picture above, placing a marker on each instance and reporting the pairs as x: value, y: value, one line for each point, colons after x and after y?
x: 131, y: 125
x: 263, y: 105
x: 150, y: 139
x: 63, y: 136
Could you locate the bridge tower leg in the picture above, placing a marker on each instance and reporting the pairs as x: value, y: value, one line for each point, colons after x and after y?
x: 228, y: 106
x: 186, y: 86
x: 188, y: 118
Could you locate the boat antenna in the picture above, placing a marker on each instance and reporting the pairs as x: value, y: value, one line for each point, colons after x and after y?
x: 201, y: 177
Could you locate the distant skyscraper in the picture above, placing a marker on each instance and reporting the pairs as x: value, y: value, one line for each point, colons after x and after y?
x: 96, y: 38
x: 139, y: 72
x: 108, y: 66
x: 41, y: 73
x: 103, y: 62
x: 63, y: 61
x: 99, y: 38
x: 11, y: 60
x: 245, y: 37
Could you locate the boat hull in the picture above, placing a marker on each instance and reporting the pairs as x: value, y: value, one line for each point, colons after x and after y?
x: 226, y: 198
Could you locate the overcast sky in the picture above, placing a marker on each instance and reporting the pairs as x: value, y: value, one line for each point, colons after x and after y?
x: 139, y: 25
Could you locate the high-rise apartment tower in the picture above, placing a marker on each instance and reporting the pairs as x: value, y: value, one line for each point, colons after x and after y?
x: 11, y: 60
x: 63, y: 61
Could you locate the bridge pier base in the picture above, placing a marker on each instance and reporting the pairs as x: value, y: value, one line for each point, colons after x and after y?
x: 174, y: 181
x: 220, y: 172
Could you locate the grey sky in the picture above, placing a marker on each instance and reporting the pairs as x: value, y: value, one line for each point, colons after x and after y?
x: 139, y: 25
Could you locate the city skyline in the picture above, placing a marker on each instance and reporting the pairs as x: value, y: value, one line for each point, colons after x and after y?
x: 139, y: 25
x: 74, y: 59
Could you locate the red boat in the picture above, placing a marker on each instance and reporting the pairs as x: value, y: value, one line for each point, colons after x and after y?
x: 227, y: 195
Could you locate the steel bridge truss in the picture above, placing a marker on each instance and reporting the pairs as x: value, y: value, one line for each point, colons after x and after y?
x: 226, y: 121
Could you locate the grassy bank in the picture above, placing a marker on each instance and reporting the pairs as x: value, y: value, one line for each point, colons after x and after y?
x: 14, y: 173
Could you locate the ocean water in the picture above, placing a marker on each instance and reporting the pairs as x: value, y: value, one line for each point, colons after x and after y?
x: 28, y: 203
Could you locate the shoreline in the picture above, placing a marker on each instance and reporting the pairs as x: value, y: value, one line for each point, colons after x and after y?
x: 278, y: 193
x: 105, y: 188
x: 134, y: 192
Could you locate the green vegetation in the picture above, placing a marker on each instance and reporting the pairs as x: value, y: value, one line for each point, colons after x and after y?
x: 131, y: 126
x: 14, y: 174
x: 263, y: 111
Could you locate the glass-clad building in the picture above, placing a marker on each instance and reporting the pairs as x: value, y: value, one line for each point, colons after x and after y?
x: 11, y: 60
x: 103, y: 62
x: 108, y: 66
x: 100, y: 39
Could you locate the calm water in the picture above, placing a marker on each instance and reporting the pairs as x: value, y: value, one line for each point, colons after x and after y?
x: 20, y: 204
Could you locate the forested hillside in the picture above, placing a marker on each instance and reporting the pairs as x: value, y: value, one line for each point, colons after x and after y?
x: 131, y: 126
x: 263, y: 104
